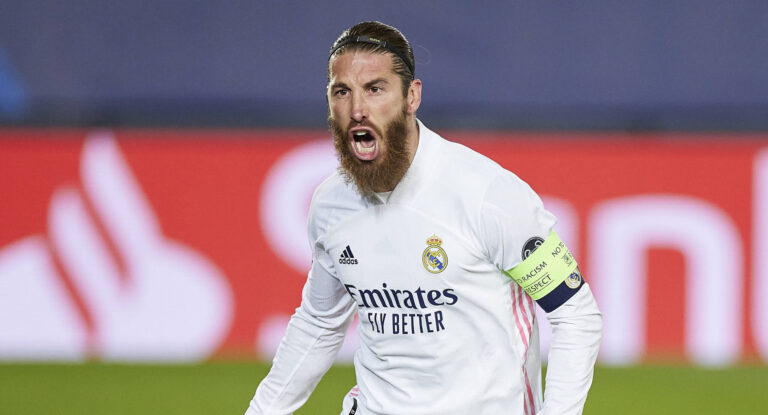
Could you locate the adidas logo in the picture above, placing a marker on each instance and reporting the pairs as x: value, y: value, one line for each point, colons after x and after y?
x: 347, y: 257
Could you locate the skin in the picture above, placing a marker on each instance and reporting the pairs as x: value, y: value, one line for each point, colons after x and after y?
x: 365, y: 94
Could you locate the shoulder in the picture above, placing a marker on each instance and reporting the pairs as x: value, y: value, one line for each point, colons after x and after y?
x: 478, y: 174
x: 485, y: 190
x: 474, y: 162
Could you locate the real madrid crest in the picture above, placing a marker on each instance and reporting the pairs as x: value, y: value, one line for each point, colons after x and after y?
x: 574, y: 280
x: 434, y: 257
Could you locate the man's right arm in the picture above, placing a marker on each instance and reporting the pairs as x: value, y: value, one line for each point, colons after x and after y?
x: 310, y: 344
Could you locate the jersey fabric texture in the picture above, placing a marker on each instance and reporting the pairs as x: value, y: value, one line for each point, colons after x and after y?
x: 443, y: 330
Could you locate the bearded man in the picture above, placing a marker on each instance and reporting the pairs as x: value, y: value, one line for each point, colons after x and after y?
x: 440, y: 252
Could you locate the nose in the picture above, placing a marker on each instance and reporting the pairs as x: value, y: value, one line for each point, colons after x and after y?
x: 359, y: 108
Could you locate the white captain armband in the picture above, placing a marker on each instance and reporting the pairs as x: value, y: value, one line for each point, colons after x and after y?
x: 549, y: 273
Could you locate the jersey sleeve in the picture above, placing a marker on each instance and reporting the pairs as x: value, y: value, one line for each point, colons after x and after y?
x: 521, y: 241
x: 577, y: 328
x: 312, y: 340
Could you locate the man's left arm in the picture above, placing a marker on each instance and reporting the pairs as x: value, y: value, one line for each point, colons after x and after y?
x: 550, y: 275
x: 519, y: 238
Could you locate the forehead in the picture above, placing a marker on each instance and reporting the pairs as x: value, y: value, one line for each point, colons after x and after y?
x: 360, y: 66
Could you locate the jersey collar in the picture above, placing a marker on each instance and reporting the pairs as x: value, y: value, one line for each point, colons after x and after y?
x: 420, y: 170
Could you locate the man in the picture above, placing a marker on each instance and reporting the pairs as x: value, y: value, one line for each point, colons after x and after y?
x: 441, y: 252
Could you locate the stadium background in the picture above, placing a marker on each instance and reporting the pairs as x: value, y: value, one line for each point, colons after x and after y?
x: 157, y: 158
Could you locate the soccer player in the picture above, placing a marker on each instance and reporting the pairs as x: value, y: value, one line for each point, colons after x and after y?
x: 440, y: 252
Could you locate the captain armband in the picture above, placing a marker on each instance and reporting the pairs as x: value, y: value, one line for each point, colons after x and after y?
x: 549, y: 273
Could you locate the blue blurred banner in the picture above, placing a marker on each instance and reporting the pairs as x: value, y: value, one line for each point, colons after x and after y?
x: 13, y: 97
x: 654, y: 64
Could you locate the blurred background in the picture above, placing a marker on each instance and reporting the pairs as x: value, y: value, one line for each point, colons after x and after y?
x: 157, y: 160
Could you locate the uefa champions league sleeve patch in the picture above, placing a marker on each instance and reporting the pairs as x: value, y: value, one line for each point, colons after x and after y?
x: 549, y: 273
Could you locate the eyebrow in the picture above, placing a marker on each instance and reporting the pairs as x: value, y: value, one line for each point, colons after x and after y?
x: 339, y: 85
x: 376, y: 81
x: 367, y: 84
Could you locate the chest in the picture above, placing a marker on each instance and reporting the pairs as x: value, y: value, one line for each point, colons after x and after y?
x: 389, y: 248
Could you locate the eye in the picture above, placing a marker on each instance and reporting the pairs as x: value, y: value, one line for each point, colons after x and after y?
x: 341, y: 92
x: 375, y: 89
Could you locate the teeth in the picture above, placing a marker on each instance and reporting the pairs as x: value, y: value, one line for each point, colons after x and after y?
x: 364, y: 150
x: 360, y: 133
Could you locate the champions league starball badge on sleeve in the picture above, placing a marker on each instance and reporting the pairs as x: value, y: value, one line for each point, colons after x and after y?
x: 434, y: 258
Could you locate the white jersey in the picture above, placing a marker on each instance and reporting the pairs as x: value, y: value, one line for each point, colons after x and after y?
x: 442, y: 328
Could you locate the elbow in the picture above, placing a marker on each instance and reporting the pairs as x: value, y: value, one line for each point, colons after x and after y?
x: 599, y: 327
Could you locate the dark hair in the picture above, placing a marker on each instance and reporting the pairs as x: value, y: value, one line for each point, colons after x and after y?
x: 381, y: 38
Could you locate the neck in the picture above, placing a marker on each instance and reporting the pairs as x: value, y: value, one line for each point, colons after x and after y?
x: 413, y: 138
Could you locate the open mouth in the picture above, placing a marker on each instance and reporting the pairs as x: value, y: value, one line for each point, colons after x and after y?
x: 364, y: 144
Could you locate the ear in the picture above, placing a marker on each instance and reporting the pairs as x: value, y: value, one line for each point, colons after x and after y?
x: 414, y: 96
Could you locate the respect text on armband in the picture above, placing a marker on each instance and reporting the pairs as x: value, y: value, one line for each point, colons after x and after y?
x: 403, y: 311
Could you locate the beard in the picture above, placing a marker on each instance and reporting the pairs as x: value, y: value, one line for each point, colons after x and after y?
x: 383, y: 173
